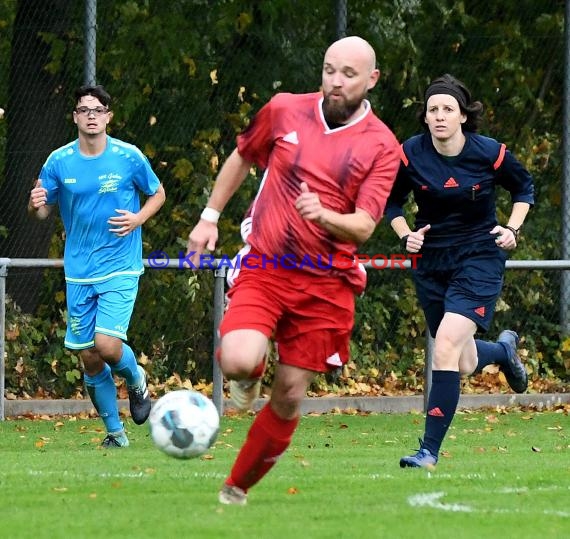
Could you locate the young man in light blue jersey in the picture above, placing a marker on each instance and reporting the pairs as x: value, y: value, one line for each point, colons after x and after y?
x: 97, y: 181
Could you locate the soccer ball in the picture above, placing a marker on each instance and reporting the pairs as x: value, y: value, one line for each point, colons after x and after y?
x: 184, y: 423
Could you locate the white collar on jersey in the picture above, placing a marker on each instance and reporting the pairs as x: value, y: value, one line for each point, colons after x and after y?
x: 367, y: 109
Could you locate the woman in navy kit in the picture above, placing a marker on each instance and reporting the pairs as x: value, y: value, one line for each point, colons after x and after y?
x: 453, y: 173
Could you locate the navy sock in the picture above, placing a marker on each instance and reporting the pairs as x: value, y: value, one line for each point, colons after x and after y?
x: 442, y: 403
x: 103, y: 394
x: 489, y: 353
x: 127, y: 366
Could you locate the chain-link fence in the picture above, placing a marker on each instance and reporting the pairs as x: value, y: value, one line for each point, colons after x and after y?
x: 186, y: 76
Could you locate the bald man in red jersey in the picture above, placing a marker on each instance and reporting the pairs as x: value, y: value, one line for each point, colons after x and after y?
x: 329, y: 164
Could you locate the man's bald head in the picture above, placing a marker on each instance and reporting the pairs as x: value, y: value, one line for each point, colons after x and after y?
x: 349, y: 72
x: 355, y: 48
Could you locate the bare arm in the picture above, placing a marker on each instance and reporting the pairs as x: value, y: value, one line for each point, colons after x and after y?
x: 152, y: 204
x: 355, y: 227
x: 518, y: 214
x: 205, y: 234
x: 232, y: 174
x: 400, y: 226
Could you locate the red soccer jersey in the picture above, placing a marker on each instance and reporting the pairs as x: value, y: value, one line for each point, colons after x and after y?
x: 352, y: 166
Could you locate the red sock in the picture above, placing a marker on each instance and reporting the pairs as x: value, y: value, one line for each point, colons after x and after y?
x: 268, y: 438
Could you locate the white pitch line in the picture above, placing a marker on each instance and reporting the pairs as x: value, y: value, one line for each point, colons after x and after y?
x: 431, y: 499
x: 121, y: 475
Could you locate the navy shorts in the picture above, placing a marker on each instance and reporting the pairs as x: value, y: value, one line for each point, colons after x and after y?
x: 465, y: 281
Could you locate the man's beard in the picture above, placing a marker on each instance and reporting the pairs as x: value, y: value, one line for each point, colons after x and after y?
x: 339, y: 111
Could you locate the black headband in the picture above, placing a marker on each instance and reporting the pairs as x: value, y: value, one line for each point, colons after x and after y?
x: 445, y: 88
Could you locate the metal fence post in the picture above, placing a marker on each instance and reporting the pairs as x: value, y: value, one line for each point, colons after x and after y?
x: 3, y: 273
x: 90, y: 50
x: 218, y: 379
x: 341, y: 18
x: 565, y: 281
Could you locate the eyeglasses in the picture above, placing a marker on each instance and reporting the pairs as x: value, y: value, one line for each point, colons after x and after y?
x: 86, y: 111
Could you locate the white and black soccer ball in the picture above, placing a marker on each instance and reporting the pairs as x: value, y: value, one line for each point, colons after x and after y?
x: 184, y: 423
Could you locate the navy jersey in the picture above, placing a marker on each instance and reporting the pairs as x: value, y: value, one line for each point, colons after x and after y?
x: 456, y: 195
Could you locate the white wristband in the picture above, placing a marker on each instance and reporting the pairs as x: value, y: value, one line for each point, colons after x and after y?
x: 211, y: 215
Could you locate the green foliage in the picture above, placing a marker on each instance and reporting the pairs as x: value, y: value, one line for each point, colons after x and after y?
x: 172, y: 324
x: 184, y: 84
x: 37, y: 365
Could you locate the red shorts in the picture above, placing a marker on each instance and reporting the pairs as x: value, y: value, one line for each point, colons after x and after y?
x: 310, y: 317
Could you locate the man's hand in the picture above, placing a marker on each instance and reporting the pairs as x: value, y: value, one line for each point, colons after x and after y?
x: 309, y: 205
x: 37, y: 204
x: 38, y: 196
x: 203, y: 236
x: 124, y: 223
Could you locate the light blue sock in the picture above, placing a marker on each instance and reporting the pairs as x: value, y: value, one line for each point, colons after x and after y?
x: 103, y: 394
x: 127, y: 366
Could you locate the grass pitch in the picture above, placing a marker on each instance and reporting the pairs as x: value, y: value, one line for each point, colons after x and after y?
x: 500, y: 474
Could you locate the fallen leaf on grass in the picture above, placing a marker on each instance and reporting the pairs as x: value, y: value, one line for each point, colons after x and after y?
x: 292, y: 490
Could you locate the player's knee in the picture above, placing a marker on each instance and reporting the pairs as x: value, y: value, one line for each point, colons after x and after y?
x: 238, y: 364
x: 110, y: 349
x: 286, y: 400
x: 240, y: 357
x: 91, y: 361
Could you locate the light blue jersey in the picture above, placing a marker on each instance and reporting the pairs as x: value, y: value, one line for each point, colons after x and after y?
x: 88, y: 191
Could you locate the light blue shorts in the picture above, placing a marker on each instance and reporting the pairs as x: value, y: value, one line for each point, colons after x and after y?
x: 104, y: 307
